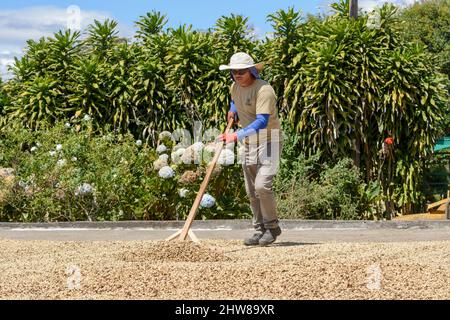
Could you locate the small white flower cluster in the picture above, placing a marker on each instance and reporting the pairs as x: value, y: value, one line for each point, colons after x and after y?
x: 139, y: 143
x: 208, y: 201
x: 84, y: 189
x: 61, y: 162
x: 35, y: 148
x: 183, y: 192
x: 53, y: 153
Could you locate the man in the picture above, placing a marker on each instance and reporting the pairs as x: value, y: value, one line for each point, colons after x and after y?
x: 254, y: 104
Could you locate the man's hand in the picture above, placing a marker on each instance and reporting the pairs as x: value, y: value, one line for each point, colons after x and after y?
x: 231, y: 115
x: 228, y: 137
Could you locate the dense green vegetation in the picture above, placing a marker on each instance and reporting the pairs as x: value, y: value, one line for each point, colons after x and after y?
x: 344, y: 85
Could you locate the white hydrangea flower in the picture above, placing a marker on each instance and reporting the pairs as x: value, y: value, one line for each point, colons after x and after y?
x: 33, y: 149
x: 84, y: 189
x: 87, y: 117
x: 183, y: 192
x: 61, y: 162
x: 159, y: 164
x: 164, y: 157
x: 166, y: 172
x: 161, y: 148
x: 176, y: 156
x: 226, y: 157
x: 139, y: 143
x: 58, y: 147
x: 208, y: 201
x: 52, y: 153
x: 67, y: 125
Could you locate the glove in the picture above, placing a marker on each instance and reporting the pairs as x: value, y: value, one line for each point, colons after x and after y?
x: 228, y: 137
x: 231, y: 115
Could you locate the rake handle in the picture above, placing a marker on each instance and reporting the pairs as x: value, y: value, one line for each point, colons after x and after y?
x: 203, y: 186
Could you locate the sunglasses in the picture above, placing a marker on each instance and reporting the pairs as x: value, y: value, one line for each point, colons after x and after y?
x: 240, y: 72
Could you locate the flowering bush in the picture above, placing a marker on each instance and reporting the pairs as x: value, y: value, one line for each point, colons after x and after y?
x: 67, y: 173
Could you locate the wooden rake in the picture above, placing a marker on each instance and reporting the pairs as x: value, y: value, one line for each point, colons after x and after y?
x: 186, y: 231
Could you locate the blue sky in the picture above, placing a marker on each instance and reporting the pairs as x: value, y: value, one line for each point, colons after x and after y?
x: 21, y: 20
x: 201, y: 14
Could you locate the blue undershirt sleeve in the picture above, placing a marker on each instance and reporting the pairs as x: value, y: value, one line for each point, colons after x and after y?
x: 233, y: 107
x: 260, y: 123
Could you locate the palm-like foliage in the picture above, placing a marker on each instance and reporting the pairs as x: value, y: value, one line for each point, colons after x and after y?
x: 88, y: 91
x: 342, y: 8
x: 151, y: 96
x: 103, y: 37
x: 357, y: 87
x: 282, y: 51
x: 39, y: 104
x: 120, y: 87
x: 34, y: 63
x: 186, y: 57
x: 234, y: 34
x: 150, y: 25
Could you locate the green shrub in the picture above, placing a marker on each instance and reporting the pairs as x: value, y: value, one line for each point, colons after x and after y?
x: 309, y: 189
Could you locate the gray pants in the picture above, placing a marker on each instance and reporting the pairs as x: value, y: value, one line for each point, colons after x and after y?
x: 260, y: 163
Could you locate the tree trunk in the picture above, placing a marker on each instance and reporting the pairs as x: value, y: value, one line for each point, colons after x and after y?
x: 354, y: 8
x: 368, y: 158
x: 357, y: 155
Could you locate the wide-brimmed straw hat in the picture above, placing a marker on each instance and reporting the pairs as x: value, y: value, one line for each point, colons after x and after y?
x: 241, y: 60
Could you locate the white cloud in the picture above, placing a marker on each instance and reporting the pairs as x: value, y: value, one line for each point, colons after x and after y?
x: 365, y: 5
x: 369, y: 5
x: 18, y: 26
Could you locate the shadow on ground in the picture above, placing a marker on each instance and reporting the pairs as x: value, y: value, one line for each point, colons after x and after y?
x: 277, y: 244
